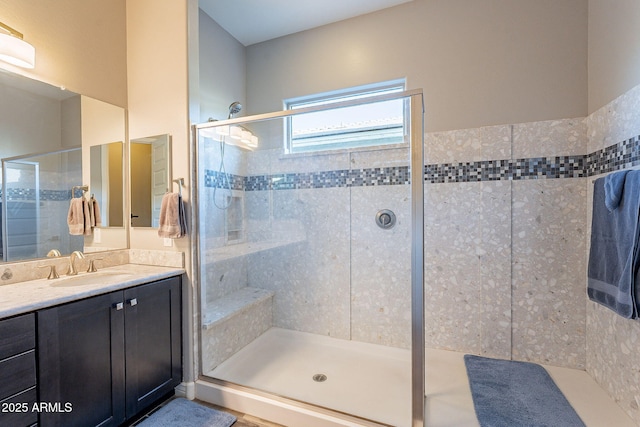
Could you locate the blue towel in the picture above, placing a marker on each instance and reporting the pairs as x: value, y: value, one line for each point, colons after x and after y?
x: 613, y: 188
x: 613, y: 257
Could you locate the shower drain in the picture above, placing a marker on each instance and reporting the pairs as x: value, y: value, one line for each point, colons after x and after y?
x: 319, y: 378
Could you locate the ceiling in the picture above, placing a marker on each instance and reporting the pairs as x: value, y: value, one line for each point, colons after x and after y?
x: 255, y: 21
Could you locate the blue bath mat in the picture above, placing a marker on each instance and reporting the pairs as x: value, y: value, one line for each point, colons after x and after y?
x: 185, y: 413
x: 517, y: 394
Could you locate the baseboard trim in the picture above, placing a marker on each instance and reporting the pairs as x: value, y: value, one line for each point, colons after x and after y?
x: 187, y: 390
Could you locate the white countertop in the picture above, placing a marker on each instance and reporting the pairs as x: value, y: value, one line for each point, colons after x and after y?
x: 24, y: 297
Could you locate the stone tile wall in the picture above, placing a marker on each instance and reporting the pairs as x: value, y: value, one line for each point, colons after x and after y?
x: 505, y: 241
x: 548, y: 264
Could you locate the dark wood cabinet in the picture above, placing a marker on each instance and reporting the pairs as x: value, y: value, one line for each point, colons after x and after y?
x: 106, y: 358
x: 81, y: 353
x: 152, y: 342
x: 18, y: 371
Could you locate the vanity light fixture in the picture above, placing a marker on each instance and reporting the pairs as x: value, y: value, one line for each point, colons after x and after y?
x: 14, y: 50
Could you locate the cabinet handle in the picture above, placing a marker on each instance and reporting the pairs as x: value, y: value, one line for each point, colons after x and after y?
x: 118, y: 306
x: 133, y: 301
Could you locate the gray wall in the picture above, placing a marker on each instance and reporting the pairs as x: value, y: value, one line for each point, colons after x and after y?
x: 480, y: 62
x: 614, y: 50
x: 222, y: 70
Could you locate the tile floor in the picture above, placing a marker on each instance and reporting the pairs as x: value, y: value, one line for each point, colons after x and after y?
x: 372, y: 381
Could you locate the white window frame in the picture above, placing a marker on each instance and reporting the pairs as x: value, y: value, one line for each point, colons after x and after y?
x: 327, y: 140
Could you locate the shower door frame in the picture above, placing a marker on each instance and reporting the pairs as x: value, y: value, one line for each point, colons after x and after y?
x: 5, y: 202
x: 416, y: 146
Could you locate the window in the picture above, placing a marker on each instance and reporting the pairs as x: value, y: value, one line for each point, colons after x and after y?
x: 369, y: 124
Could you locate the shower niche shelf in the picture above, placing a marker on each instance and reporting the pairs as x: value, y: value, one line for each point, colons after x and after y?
x: 241, y: 249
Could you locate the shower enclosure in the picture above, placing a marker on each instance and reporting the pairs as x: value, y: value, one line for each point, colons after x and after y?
x: 36, y: 190
x: 310, y: 264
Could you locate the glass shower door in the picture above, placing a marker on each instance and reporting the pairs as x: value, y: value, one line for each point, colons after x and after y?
x: 310, y: 268
x: 20, y: 209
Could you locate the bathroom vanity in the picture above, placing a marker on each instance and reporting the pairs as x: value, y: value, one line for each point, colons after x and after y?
x: 93, y: 349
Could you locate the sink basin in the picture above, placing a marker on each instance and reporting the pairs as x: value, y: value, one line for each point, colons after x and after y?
x: 92, y: 278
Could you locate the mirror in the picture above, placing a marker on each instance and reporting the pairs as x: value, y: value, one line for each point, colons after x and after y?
x: 107, y: 182
x: 150, y: 178
x: 45, y: 135
x: 35, y: 202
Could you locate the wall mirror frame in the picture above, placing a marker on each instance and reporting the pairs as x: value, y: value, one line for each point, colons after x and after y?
x: 150, y: 170
x: 59, y: 126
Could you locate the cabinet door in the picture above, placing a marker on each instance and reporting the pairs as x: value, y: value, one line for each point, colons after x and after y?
x: 153, y: 336
x: 18, y: 371
x: 81, y: 355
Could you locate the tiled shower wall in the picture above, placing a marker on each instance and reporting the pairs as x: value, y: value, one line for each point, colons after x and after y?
x: 505, y: 241
x: 505, y: 256
x: 545, y: 307
x: 613, y: 342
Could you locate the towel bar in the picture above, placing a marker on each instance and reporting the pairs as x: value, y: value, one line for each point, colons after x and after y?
x: 180, y: 182
x: 84, y: 189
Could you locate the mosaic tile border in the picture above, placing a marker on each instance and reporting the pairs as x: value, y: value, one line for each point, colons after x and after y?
x: 618, y: 156
x: 28, y: 194
x: 215, y: 179
x: 496, y: 170
x: 329, y: 179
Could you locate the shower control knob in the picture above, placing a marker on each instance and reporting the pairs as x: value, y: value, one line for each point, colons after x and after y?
x: 385, y: 219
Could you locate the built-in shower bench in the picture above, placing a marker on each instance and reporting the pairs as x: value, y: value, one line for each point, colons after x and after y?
x: 233, y: 321
x: 233, y: 304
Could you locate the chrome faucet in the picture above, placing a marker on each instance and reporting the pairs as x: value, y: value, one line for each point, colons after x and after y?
x: 72, y: 259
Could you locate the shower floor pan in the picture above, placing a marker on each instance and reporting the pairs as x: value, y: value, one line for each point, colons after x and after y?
x: 372, y: 382
x: 366, y: 380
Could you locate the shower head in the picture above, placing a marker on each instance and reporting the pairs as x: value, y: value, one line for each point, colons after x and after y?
x: 234, y: 108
